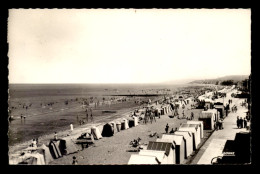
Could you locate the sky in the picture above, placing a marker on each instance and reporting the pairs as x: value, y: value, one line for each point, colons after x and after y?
x: 127, y: 45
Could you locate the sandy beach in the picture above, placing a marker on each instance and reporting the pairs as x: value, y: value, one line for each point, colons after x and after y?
x: 115, y: 149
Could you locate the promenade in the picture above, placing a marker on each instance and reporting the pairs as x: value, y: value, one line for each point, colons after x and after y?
x: 215, y: 144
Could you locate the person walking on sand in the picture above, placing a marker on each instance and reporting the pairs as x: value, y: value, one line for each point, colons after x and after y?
x: 86, y: 114
x: 75, y: 161
x: 192, y: 116
x: 167, y: 128
x: 172, y: 131
x: 238, y: 122
x: 55, y: 136
x: 91, y: 117
x: 245, y: 123
x: 21, y: 116
x: 183, y: 115
x: 71, y: 127
x: 241, y: 122
x: 34, y: 143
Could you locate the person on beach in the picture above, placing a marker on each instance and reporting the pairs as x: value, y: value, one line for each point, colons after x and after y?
x: 86, y: 114
x: 167, y: 128
x: 220, y: 124
x: 245, y: 123
x: 238, y: 122
x: 91, y: 117
x: 21, y: 116
x: 34, y: 143
x: 75, y: 161
x: 227, y: 108
x: 172, y: 131
x: 55, y: 136
x: 183, y: 115
x: 71, y: 127
x: 192, y: 116
x: 247, y: 118
x: 145, y: 117
x: 241, y: 122
x: 90, y: 110
x: 152, y: 117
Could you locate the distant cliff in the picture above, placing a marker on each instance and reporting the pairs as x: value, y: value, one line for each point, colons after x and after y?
x: 234, y: 78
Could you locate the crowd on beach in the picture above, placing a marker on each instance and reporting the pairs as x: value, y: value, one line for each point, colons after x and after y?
x: 150, y: 112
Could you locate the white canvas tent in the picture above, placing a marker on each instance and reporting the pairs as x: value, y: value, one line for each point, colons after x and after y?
x: 45, y: 151
x: 124, y: 124
x: 38, y: 158
x: 143, y: 159
x: 135, y: 120
x: 188, y: 139
x: 96, y: 133
x: 113, y: 124
x: 200, y: 126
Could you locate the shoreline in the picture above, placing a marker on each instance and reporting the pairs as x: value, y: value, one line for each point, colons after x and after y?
x: 45, y: 138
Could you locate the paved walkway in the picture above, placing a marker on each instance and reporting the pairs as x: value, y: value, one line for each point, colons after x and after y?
x: 215, y: 144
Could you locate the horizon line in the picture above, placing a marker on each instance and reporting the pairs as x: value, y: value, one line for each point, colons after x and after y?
x: 87, y: 83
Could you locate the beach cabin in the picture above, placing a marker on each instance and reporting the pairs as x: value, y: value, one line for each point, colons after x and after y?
x: 107, y: 130
x: 189, y: 100
x: 169, y: 108
x: 163, y: 110
x: 220, y: 108
x: 113, y: 124
x: 167, y: 147
x: 54, y: 147
x: 209, y: 118
x: 45, y: 151
x: 201, y: 127
x: 69, y: 145
x: 180, y: 144
x: 133, y: 121
x: 28, y: 158
x: 160, y: 155
x: 124, y: 124
x: 32, y: 159
x: 209, y: 103
x: 189, y: 141
x: 96, y: 133
x: 136, y: 159
x: 195, y: 134
x: 118, y: 126
x: 157, y: 112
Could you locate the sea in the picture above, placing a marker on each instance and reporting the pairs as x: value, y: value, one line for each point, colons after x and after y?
x: 53, y: 107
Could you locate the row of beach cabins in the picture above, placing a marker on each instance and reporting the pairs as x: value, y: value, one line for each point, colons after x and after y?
x: 175, y: 148
x: 169, y: 149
